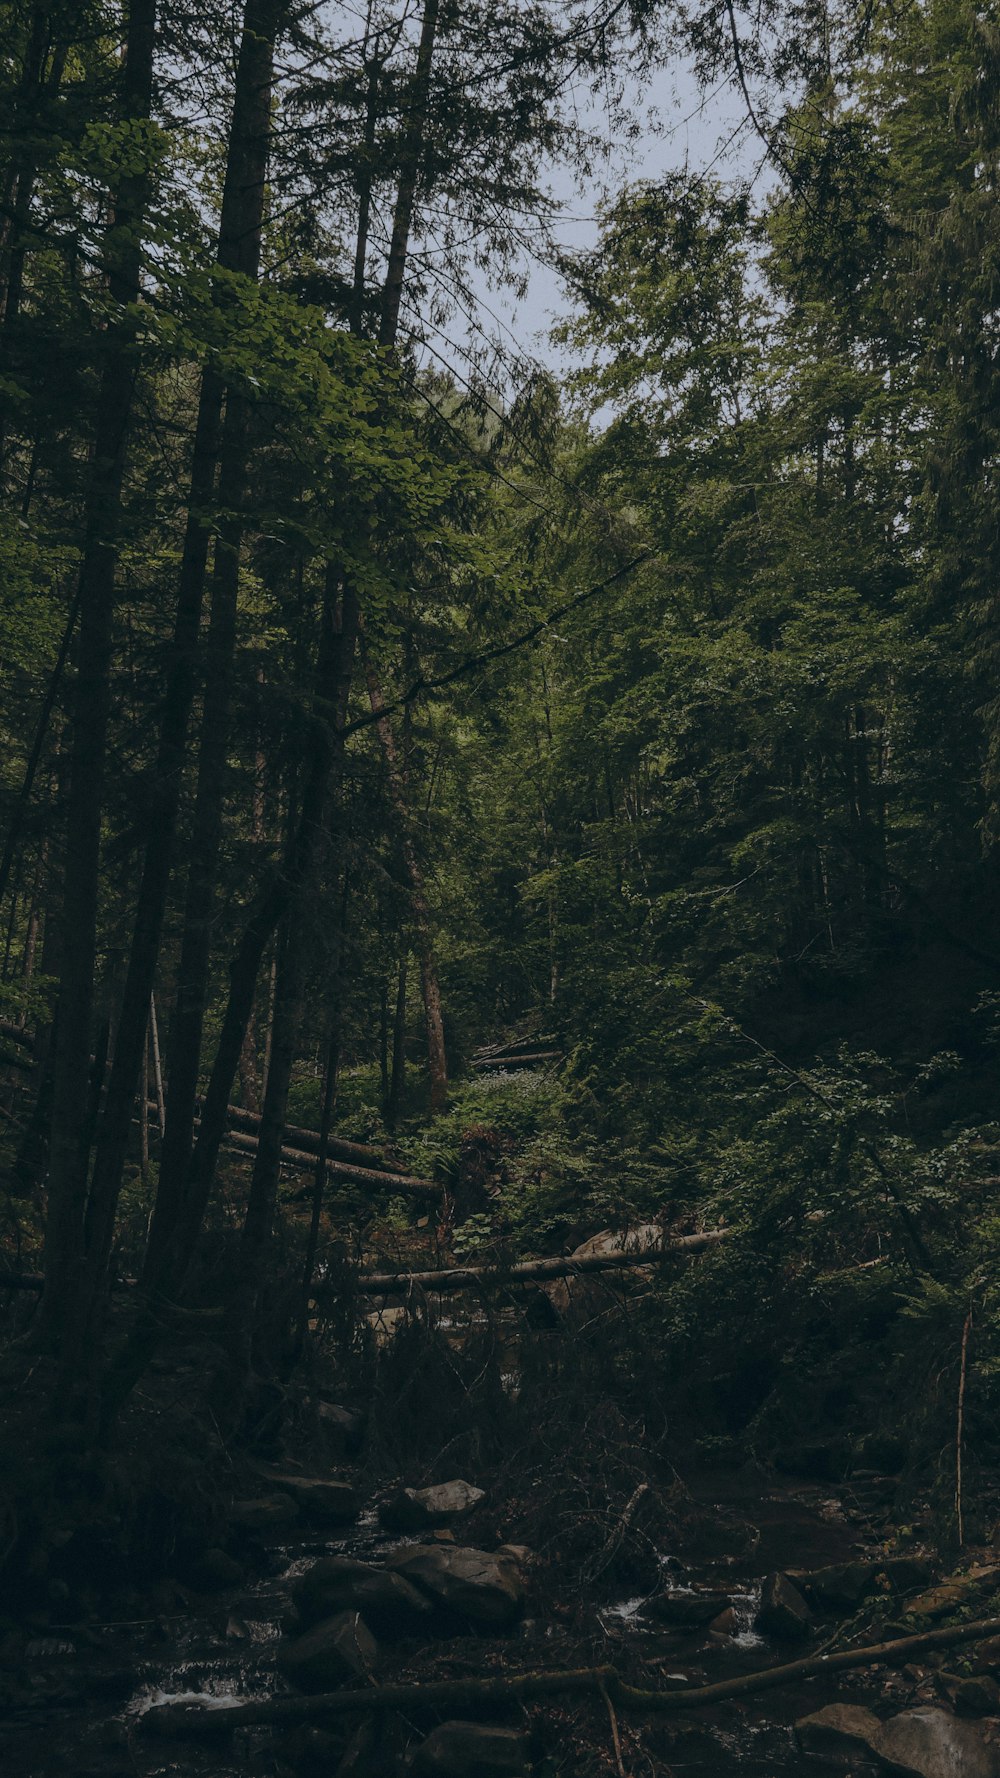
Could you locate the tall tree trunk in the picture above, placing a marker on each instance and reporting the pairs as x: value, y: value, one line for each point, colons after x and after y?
x: 392, y: 295
x: 64, y: 1243
x: 436, y: 1056
x: 409, y: 176
x: 398, y: 1074
x: 239, y: 250
x: 167, y: 1265
x: 333, y: 682
x: 39, y: 84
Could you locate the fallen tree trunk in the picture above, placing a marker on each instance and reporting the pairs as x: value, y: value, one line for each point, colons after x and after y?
x: 337, y: 1146
x: 518, y: 1058
x: 180, y: 1719
x: 530, y: 1271
x: 237, y: 1118
x: 370, y: 1178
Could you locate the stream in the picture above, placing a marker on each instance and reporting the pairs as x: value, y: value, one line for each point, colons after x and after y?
x: 84, y: 1688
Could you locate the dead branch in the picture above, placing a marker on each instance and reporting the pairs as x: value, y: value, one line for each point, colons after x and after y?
x: 180, y: 1719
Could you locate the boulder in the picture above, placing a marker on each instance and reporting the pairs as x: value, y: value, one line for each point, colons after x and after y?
x: 687, y: 1611
x: 905, y: 1572
x: 783, y: 1612
x: 388, y: 1602
x: 971, y: 1695
x: 645, y: 1237
x: 344, y: 1429
x: 958, y: 1590
x: 841, y: 1734
x: 271, y: 1513
x: 485, y: 1590
x: 326, y: 1500
x: 335, y: 1652
x: 840, y: 1587
x: 313, y: 1751
x: 986, y: 1657
x: 420, y: 1509
x: 356, y: 1761
x: 933, y: 1744
x: 471, y: 1750
x: 924, y: 1743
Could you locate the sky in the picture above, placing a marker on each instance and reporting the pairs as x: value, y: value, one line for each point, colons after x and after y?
x: 685, y: 128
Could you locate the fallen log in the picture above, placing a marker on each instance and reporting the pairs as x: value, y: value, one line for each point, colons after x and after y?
x: 338, y: 1148
x: 295, y: 1136
x: 370, y: 1178
x: 180, y: 1719
x: 519, y: 1059
x: 517, y: 1046
x: 531, y: 1271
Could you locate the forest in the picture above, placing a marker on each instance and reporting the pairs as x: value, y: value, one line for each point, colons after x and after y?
x: 499, y: 889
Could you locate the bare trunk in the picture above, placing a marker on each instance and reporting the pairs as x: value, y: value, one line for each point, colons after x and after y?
x: 398, y: 1049
x: 436, y: 1056
x: 64, y: 1241
x: 409, y: 174
x: 239, y: 246
x: 333, y: 681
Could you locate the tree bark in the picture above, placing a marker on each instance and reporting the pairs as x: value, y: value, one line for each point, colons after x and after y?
x: 335, y: 665
x: 64, y: 1240
x: 239, y: 250
x: 530, y: 1271
x: 409, y: 175
x: 437, y: 1060
x: 167, y: 1265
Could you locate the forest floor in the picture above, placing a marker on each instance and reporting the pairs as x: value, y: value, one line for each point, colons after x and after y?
x: 673, y: 1591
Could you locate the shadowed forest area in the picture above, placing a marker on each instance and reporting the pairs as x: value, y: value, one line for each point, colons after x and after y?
x: 499, y: 866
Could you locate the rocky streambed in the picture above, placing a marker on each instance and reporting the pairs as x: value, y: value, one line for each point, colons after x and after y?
x: 320, y: 1586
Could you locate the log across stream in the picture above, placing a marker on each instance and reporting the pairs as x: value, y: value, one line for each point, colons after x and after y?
x: 199, y: 1666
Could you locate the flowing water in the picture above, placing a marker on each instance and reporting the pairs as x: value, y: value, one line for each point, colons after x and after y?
x: 91, y: 1685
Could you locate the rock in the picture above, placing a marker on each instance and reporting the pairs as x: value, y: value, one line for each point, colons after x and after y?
x: 418, y: 1509
x: 471, y: 1750
x: 975, y: 1695
x: 356, y: 1761
x: 486, y: 1590
x: 924, y: 1743
x: 338, y: 1650
x: 313, y: 1751
x: 840, y: 1734
x: 724, y: 1624
x: 344, y: 1429
x: 905, y: 1572
x: 953, y: 1593
x: 687, y: 1611
x: 645, y: 1237
x: 391, y: 1604
x: 214, y: 1570
x: 324, y: 1499
x: 932, y: 1744
x: 840, y: 1587
x: 268, y: 1514
x: 386, y: 1323
x: 987, y: 1656
x: 518, y: 1553
x: 783, y: 1611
